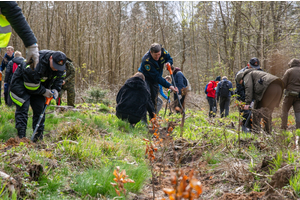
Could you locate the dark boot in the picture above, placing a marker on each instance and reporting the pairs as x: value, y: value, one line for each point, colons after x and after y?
x: 21, y: 133
x: 38, y: 136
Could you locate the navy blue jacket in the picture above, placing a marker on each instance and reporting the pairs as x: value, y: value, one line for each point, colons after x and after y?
x: 9, y: 68
x: 5, y: 61
x: 230, y: 88
x: 153, y: 70
x: 180, y: 80
x: 15, y: 17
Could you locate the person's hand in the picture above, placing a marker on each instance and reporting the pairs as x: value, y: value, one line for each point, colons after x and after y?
x: 246, y: 107
x: 174, y: 89
x: 32, y: 52
x: 48, y: 93
x: 5, y: 85
x: 64, y: 82
x: 55, y: 93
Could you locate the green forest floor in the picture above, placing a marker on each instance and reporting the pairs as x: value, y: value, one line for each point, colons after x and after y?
x: 83, y: 147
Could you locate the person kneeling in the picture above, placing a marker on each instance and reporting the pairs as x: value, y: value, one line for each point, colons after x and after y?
x: 133, y: 100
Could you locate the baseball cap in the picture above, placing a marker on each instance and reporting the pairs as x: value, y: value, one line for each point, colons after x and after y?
x: 254, y: 63
x: 59, y: 60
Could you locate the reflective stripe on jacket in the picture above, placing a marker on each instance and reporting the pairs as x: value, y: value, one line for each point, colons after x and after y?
x: 5, y: 31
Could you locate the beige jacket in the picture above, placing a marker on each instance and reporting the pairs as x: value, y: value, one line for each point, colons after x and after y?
x: 256, y: 82
x: 291, y: 77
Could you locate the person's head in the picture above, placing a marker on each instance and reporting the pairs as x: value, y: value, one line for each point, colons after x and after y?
x: 139, y: 75
x: 9, y: 51
x: 155, y: 51
x: 18, y: 54
x: 224, y: 77
x: 254, y: 63
x: 239, y: 77
x: 218, y: 78
x: 58, y: 61
x: 294, y: 63
x: 168, y: 78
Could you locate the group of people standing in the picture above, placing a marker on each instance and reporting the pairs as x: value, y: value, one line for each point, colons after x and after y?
x: 259, y: 93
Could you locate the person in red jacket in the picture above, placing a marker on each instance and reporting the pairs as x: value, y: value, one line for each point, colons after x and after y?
x: 211, y: 96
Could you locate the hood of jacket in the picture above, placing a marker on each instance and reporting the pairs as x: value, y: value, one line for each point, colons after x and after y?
x: 176, y: 70
x: 294, y: 63
x: 135, y: 83
x: 18, y: 60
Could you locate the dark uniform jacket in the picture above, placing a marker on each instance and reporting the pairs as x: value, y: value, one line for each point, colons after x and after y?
x: 26, y: 81
x: 9, y: 68
x: 256, y: 82
x: 14, y: 16
x: 134, y: 98
x: 153, y: 70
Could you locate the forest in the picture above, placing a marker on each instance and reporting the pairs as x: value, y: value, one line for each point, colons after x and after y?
x: 107, y: 40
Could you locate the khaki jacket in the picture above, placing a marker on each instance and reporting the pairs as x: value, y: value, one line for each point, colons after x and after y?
x: 256, y: 82
x: 291, y: 79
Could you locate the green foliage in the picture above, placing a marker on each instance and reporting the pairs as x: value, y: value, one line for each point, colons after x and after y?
x: 276, y: 163
x: 95, y: 182
x: 96, y: 95
x: 295, y: 183
x: 256, y: 187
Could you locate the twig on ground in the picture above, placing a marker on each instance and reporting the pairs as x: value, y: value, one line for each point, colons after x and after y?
x: 274, y: 189
x: 69, y: 141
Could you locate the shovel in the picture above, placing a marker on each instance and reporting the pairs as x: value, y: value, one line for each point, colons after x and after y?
x: 41, y: 117
x: 183, y: 111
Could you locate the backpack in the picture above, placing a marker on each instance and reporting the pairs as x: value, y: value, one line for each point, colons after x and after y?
x: 205, y: 90
x: 188, y: 85
x: 15, y: 66
x: 224, y: 89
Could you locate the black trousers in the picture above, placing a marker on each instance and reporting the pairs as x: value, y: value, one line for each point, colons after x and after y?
x: 224, y: 105
x: 37, y: 103
x: 212, y: 106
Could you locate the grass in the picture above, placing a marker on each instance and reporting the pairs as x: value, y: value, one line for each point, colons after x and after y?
x: 101, y: 142
x: 94, y: 182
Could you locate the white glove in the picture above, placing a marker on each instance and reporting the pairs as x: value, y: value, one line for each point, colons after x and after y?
x: 55, y: 93
x: 48, y: 93
x: 32, y: 52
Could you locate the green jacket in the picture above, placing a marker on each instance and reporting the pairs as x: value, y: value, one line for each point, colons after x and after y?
x: 70, y: 74
x: 256, y: 82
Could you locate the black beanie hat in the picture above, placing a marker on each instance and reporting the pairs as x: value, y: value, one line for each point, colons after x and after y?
x: 218, y: 78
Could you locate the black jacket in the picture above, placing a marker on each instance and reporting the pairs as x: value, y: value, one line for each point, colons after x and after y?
x: 15, y: 17
x: 26, y: 81
x: 134, y: 98
x: 9, y: 68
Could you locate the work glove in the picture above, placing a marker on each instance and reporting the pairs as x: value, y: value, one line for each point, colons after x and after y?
x: 5, y: 85
x: 32, y: 52
x: 48, y: 93
x: 55, y: 93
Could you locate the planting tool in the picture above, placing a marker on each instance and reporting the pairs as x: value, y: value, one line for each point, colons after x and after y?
x: 168, y: 102
x: 48, y: 100
x: 183, y: 111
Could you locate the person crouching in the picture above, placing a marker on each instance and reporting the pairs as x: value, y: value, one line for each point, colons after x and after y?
x: 266, y: 90
x: 134, y: 100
